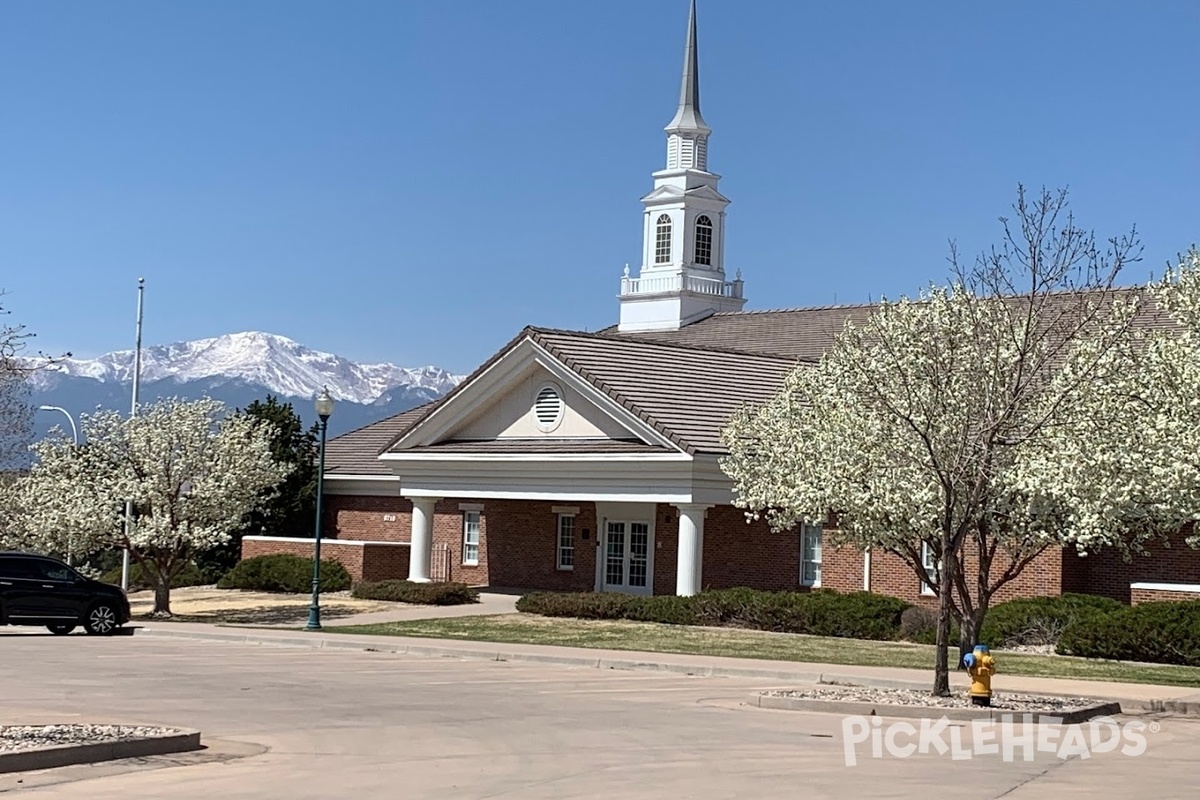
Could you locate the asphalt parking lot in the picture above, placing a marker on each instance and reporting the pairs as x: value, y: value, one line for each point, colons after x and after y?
x: 298, y: 723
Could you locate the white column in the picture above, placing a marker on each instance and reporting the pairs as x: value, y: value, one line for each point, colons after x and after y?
x: 689, y: 571
x: 421, y: 539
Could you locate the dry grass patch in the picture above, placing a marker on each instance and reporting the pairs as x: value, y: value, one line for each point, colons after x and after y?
x: 232, y: 606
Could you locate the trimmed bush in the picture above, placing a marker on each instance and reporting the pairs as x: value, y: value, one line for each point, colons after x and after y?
x: 190, y: 575
x: 860, y: 615
x: 284, y: 573
x: 1160, y: 633
x: 1041, y: 620
x: 427, y: 594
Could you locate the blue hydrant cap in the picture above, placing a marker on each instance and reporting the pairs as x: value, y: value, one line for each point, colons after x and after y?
x: 982, y: 647
x: 969, y: 660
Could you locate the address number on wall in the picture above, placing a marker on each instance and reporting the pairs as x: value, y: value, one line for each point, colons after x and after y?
x: 389, y: 517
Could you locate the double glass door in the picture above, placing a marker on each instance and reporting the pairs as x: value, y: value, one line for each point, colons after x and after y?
x: 627, y: 557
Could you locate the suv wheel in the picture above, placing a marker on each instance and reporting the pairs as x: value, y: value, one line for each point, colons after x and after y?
x: 61, y: 630
x: 101, y: 620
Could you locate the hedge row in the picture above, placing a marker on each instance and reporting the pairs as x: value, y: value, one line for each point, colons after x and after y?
x: 1162, y: 633
x: 428, y: 594
x: 284, y: 573
x: 859, y: 615
x: 1041, y: 620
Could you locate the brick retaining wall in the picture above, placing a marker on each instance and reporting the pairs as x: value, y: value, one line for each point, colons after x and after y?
x: 365, y: 561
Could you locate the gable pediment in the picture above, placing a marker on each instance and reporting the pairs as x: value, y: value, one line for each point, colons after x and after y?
x: 501, y: 403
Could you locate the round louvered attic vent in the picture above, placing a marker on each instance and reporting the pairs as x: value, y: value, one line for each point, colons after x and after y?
x: 548, y: 408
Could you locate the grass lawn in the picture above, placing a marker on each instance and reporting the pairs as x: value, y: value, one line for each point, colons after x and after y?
x: 655, y: 638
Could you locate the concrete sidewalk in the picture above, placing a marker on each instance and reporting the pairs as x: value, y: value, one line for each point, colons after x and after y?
x: 489, y: 603
x: 1133, y: 697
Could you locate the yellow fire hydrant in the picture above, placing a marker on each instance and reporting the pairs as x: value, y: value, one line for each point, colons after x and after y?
x: 981, y: 665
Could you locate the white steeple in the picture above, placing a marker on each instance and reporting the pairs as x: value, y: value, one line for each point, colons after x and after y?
x: 682, y: 278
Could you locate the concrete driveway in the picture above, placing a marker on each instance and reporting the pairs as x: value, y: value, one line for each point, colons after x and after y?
x: 301, y: 723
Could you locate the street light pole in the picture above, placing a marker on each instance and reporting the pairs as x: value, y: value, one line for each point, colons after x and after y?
x: 75, y: 437
x: 70, y: 419
x: 137, y: 378
x: 324, y: 406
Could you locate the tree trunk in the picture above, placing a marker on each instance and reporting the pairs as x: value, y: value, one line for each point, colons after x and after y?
x: 972, y: 624
x: 941, y: 667
x: 162, y: 591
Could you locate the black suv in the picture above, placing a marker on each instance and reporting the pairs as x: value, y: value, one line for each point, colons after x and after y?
x: 36, y: 590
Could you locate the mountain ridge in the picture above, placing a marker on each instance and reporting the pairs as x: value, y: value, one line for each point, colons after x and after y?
x: 237, y: 369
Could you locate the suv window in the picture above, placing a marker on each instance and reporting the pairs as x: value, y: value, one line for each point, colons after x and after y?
x: 49, y: 571
x: 11, y: 568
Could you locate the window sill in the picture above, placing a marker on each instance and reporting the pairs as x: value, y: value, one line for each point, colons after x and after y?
x: 566, y: 569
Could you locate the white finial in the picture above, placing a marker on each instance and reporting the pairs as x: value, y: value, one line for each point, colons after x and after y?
x: 739, y: 273
x: 627, y: 270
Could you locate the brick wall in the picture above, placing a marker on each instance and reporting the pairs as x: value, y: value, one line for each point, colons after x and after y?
x: 1156, y: 594
x: 892, y: 575
x: 523, y: 546
x: 370, y: 519
x: 366, y: 561
x: 740, y: 553
x: 1107, y: 573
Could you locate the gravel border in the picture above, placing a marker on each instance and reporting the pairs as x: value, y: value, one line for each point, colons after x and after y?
x: 895, y: 702
x: 33, y: 747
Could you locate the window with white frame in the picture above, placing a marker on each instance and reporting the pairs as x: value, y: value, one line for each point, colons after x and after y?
x: 810, y: 556
x: 662, y: 240
x: 566, y: 541
x: 704, y: 241
x: 929, y: 563
x: 471, y: 537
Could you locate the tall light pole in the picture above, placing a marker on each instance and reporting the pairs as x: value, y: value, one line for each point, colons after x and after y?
x: 75, y: 437
x: 137, y: 377
x: 324, y: 406
x: 70, y: 419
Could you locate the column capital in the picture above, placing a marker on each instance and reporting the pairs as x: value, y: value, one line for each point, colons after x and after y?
x: 693, y: 507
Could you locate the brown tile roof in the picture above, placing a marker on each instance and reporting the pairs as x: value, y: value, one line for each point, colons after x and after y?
x: 542, y: 446
x: 356, y: 452
x: 685, y: 383
x: 808, y: 332
x: 799, y: 332
x: 685, y: 392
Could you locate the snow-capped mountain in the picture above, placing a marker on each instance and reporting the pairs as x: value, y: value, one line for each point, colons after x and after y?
x: 239, y: 368
x: 274, y: 362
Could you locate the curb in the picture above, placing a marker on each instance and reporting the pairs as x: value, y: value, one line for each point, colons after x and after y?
x: 863, y: 709
x: 64, y: 755
x: 1176, y: 707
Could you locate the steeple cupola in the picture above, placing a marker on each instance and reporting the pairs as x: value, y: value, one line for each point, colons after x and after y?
x: 682, y: 277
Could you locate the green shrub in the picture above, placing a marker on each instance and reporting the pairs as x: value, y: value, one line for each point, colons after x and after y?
x: 190, y: 575
x: 1161, y: 633
x: 428, y: 594
x: 823, y: 613
x: 1041, y: 620
x: 284, y: 573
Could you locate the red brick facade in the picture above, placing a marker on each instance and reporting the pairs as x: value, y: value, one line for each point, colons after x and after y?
x: 518, y: 548
x: 365, y: 561
x: 1152, y: 594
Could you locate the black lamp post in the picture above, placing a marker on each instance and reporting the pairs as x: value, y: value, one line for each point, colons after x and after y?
x: 324, y: 406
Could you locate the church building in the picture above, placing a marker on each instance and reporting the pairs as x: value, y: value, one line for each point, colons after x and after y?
x: 591, y: 461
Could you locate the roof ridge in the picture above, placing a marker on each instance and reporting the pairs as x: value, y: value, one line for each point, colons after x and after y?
x: 704, y: 348
x: 384, y: 419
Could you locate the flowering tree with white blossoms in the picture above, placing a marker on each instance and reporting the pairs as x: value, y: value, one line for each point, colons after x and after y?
x: 1145, y: 481
x: 191, y: 470
x: 927, y: 431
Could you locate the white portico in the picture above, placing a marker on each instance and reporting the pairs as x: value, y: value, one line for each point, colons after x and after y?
x: 550, y: 419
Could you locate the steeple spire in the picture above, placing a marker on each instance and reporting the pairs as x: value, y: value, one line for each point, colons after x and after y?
x: 687, y: 135
x: 687, y: 118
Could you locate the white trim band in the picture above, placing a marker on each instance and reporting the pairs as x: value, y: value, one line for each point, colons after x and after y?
x: 1167, y: 587
x: 324, y: 540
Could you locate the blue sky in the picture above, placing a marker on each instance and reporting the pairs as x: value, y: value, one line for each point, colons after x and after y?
x: 415, y: 180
